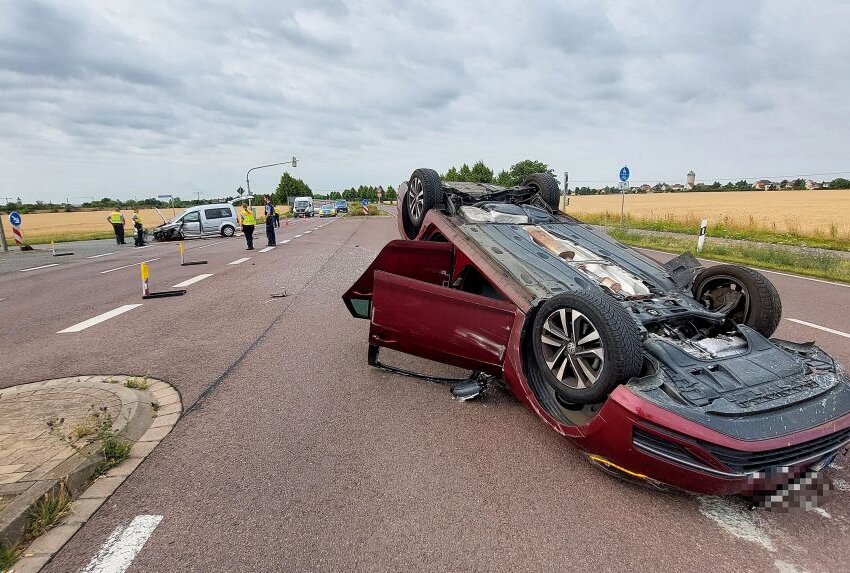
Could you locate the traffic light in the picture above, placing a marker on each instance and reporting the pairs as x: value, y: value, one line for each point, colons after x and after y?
x: 294, y: 161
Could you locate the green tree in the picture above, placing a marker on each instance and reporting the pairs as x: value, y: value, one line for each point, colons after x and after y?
x: 390, y: 194
x: 521, y: 170
x: 289, y: 186
x: 465, y: 173
x: 451, y: 175
x: 480, y: 173
x: 839, y: 183
x: 798, y: 184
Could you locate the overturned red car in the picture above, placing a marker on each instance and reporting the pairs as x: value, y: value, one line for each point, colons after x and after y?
x: 664, y: 374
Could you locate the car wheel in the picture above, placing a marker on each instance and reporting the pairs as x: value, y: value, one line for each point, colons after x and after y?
x: 585, y: 345
x: 424, y: 192
x: 743, y: 295
x: 228, y: 231
x: 547, y: 186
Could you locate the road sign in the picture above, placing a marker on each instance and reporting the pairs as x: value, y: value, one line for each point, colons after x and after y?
x: 624, y: 173
x: 15, y: 218
x: 624, y: 186
x: 364, y: 202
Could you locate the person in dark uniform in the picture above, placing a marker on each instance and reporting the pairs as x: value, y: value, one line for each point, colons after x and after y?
x: 139, y: 239
x: 270, y: 215
x: 248, y: 222
x: 116, y: 217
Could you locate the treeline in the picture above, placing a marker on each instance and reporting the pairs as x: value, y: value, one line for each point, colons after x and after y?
x: 742, y: 185
x: 101, y: 204
x: 362, y: 192
x: 481, y: 173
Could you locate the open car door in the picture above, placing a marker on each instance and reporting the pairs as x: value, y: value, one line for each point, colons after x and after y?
x: 406, y: 295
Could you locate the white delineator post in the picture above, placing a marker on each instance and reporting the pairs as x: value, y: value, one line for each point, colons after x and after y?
x: 145, y: 275
x: 701, y: 239
x: 19, y: 237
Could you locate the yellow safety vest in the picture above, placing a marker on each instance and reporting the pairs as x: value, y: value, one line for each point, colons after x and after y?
x: 137, y: 218
x: 248, y: 217
x: 115, y: 217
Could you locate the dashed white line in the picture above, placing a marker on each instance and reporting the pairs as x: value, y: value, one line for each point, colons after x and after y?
x: 128, y: 266
x: 266, y: 250
x: 36, y: 268
x: 99, y: 318
x: 238, y: 261
x: 210, y: 245
x: 142, y: 247
x: 193, y: 280
x: 283, y: 242
x: 296, y: 236
x: 819, y: 327
x: 100, y: 255
x: 123, y: 545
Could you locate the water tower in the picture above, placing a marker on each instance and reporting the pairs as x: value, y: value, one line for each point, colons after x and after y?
x: 691, y: 177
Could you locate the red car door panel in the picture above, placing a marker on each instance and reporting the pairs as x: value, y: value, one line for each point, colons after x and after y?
x: 440, y: 323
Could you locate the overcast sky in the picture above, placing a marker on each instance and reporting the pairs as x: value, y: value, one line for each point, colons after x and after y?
x: 131, y: 99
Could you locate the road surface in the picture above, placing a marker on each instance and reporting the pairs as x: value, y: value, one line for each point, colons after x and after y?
x: 294, y: 455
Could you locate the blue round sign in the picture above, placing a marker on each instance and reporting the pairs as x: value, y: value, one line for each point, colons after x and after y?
x: 364, y: 202
x: 624, y: 174
x: 15, y: 218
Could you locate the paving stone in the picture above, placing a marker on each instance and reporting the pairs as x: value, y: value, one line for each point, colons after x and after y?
x: 126, y: 467
x: 31, y: 564
x: 170, y: 409
x: 53, y: 540
x: 10, y: 478
x: 142, y: 449
x: 166, y: 420
x: 155, y: 434
x: 83, y: 509
x: 11, y: 469
x: 103, y: 487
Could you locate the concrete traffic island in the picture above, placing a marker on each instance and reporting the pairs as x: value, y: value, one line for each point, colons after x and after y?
x: 65, y: 447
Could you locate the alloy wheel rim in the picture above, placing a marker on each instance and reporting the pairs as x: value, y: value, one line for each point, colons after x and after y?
x: 712, y: 292
x: 572, y: 348
x: 415, y: 198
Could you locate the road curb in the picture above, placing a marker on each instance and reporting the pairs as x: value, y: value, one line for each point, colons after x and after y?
x: 139, y: 422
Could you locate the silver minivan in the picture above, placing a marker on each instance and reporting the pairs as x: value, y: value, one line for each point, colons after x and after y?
x: 213, y: 219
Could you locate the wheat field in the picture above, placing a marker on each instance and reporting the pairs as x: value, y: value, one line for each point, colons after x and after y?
x: 813, y: 212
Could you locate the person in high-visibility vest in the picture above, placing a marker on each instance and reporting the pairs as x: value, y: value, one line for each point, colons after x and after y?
x: 248, y: 222
x: 140, y: 229
x: 270, y: 212
x: 116, y: 217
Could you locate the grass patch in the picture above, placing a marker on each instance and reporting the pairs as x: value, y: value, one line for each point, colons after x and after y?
x: 97, y: 427
x: 47, y: 511
x: 795, y: 261
x: 356, y: 210
x: 8, y: 557
x: 725, y: 228
x: 137, y: 384
x: 114, y: 451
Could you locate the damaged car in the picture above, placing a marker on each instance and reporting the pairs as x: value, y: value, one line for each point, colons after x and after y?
x: 664, y: 374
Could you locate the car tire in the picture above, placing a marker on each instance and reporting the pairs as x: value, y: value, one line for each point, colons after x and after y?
x: 228, y: 231
x: 547, y: 186
x: 760, y: 307
x: 585, y: 345
x: 424, y: 192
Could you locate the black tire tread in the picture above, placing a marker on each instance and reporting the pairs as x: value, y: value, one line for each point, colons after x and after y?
x: 765, y: 302
x: 432, y: 188
x: 547, y: 186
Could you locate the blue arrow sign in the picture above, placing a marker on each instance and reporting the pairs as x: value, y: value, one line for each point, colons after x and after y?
x: 364, y: 202
x: 15, y: 218
x: 624, y: 173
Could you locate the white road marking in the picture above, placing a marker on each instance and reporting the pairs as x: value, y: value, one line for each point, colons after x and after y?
x: 101, y: 255
x: 237, y: 261
x: 41, y: 267
x: 143, y: 247
x: 841, y: 485
x: 123, y: 545
x: 296, y: 236
x: 735, y: 519
x: 833, y: 283
x: 99, y: 318
x: 266, y: 250
x: 193, y: 280
x: 128, y: 266
x: 210, y: 245
x: 822, y: 512
x: 283, y: 242
x: 308, y: 232
x: 819, y: 327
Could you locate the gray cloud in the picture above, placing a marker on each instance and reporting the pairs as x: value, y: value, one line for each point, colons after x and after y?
x: 191, y: 94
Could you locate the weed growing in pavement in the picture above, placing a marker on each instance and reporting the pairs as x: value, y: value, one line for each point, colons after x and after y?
x: 137, y: 384
x: 8, y: 557
x: 47, y: 511
x: 155, y: 406
x: 97, y: 427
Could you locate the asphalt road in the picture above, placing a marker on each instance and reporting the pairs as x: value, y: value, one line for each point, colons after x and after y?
x: 294, y: 455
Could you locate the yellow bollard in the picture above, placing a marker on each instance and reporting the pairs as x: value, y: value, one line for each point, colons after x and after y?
x: 145, y: 276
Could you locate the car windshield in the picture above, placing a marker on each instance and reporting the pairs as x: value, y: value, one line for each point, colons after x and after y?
x: 301, y: 203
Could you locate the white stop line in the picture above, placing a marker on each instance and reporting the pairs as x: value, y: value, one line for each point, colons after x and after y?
x: 123, y: 545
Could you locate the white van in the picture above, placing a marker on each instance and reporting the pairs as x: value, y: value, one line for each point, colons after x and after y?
x: 303, y: 207
x: 216, y: 218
